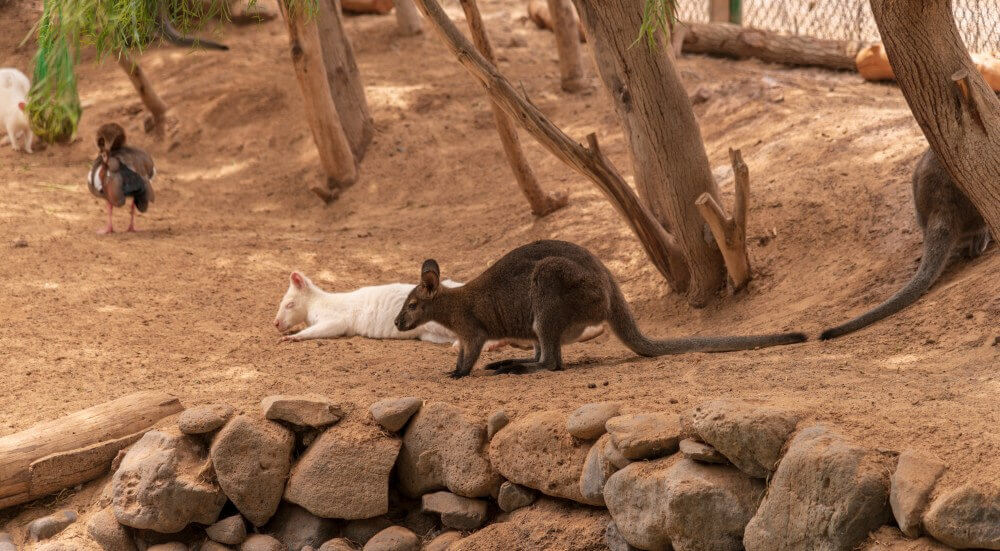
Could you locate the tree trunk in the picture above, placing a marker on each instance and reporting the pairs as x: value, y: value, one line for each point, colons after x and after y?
x: 538, y: 12
x: 76, y: 448
x: 668, y: 157
x: 660, y: 246
x: 344, y: 78
x: 407, y: 18
x: 568, y: 44
x: 739, y: 42
x: 156, y: 123
x: 957, y: 111
x: 380, y: 7
x: 541, y: 203
x: 334, y: 150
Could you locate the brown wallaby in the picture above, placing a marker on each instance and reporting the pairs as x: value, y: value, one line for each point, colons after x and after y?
x: 548, y: 292
x: 949, y: 221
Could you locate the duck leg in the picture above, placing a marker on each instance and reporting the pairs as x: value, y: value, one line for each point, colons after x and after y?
x: 108, y: 228
x: 131, y: 220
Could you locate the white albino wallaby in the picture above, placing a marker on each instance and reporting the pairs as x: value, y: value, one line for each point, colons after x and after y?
x: 14, y: 88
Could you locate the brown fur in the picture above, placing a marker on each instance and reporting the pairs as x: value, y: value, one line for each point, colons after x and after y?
x: 549, y: 292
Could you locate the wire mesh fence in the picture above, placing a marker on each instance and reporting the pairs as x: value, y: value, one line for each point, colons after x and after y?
x: 978, y: 20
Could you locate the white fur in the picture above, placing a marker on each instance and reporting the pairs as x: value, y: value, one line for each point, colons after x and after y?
x: 14, y: 88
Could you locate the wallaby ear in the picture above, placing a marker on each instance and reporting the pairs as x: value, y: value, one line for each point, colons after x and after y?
x: 430, y: 276
x: 298, y: 280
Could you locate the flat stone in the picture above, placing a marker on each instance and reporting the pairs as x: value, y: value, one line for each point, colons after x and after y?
x: 645, y: 435
x: 966, y: 517
x: 537, y: 452
x: 750, y: 436
x: 393, y: 538
x: 345, y: 473
x: 252, y: 457
x: 614, y: 539
x: 164, y: 483
x: 497, y: 420
x: 310, y: 410
x: 910, y: 489
x: 443, y: 448
x: 460, y: 513
x: 261, y: 542
x: 443, y: 541
x: 393, y: 413
x: 297, y: 528
x: 361, y: 530
x: 826, y: 495
x: 596, y: 470
x: 548, y: 524
x: 45, y: 527
x: 336, y: 544
x: 614, y: 456
x: 514, y: 496
x: 104, y: 529
x: 676, y: 501
x: 204, y: 419
x: 230, y: 530
x: 701, y: 452
x: 171, y: 546
x: 587, y: 422
x: 209, y: 545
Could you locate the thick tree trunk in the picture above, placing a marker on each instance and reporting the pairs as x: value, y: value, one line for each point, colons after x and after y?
x: 156, y: 123
x: 957, y: 111
x: 334, y: 149
x: 660, y: 246
x: 407, y: 18
x: 76, y: 448
x: 736, y: 41
x: 344, y: 78
x: 568, y: 44
x: 380, y: 7
x: 541, y: 203
x: 668, y: 156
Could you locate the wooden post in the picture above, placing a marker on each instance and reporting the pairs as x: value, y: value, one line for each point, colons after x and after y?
x: 408, y: 18
x: 541, y: 203
x: 568, y: 44
x: 156, y: 123
x: 334, y: 150
x: 344, y: 78
x: 731, y: 232
x: 76, y: 448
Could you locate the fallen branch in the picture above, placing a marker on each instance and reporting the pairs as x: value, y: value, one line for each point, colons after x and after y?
x: 156, y: 123
x: 660, y: 246
x: 731, y: 232
x: 541, y: 203
x: 736, y: 41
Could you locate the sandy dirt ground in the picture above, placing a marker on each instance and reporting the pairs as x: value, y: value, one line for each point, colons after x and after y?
x: 186, y: 305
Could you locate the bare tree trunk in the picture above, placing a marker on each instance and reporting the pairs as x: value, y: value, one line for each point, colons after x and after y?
x: 407, y: 18
x: 660, y: 246
x: 736, y: 41
x: 568, y: 44
x: 957, y: 111
x: 541, y: 203
x: 344, y: 78
x: 730, y: 232
x: 156, y: 123
x: 538, y: 11
x: 334, y: 150
x: 380, y: 7
x: 668, y: 157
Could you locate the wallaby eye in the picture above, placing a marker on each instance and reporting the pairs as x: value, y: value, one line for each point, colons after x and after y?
x: 290, y: 305
x: 412, y: 306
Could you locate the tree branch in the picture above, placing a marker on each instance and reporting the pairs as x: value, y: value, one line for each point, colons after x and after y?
x: 730, y: 233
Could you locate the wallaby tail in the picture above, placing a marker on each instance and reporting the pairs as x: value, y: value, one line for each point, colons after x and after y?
x: 622, y: 322
x: 939, y: 240
x: 174, y: 36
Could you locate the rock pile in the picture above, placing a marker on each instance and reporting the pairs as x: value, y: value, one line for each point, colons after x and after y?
x: 304, y: 473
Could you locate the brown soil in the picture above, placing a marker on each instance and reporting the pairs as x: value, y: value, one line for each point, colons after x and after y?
x: 186, y: 305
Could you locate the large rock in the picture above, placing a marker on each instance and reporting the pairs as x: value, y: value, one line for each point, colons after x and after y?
x: 826, y: 495
x: 547, y: 524
x: 614, y: 539
x: 910, y: 489
x: 204, y: 419
x: 645, y: 435
x: 209, y: 545
x: 587, y: 422
x: 297, y: 528
x: 537, y: 452
x: 345, y: 472
x: 164, y: 483
x: 514, y: 496
x: 676, y: 501
x: 336, y: 544
x: 393, y: 413
x: 261, y: 542
x: 230, y: 530
x: 460, y: 513
x: 596, y: 470
x: 105, y: 529
x: 311, y: 410
x: 967, y: 517
x: 750, y: 436
x: 393, y: 538
x: 444, y: 448
x: 251, y: 458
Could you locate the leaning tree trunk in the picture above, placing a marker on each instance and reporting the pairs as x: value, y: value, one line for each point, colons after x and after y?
x: 668, y: 156
x: 345, y: 80
x: 957, y: 111
x: 156, y: 123
x: 568, y: 43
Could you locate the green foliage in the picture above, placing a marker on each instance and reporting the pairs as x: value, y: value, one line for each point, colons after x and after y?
x: 657, y: 16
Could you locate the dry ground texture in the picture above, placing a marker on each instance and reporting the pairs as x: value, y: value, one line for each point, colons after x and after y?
x: 186, y: 305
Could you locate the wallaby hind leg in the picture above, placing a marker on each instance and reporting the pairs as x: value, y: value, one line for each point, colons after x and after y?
x: 548, y: 354
x: 977, y: 244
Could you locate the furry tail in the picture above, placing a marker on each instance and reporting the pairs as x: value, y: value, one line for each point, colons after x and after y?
x: 622, y: 322
x: 174, y: 36
x: 939, y: 241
